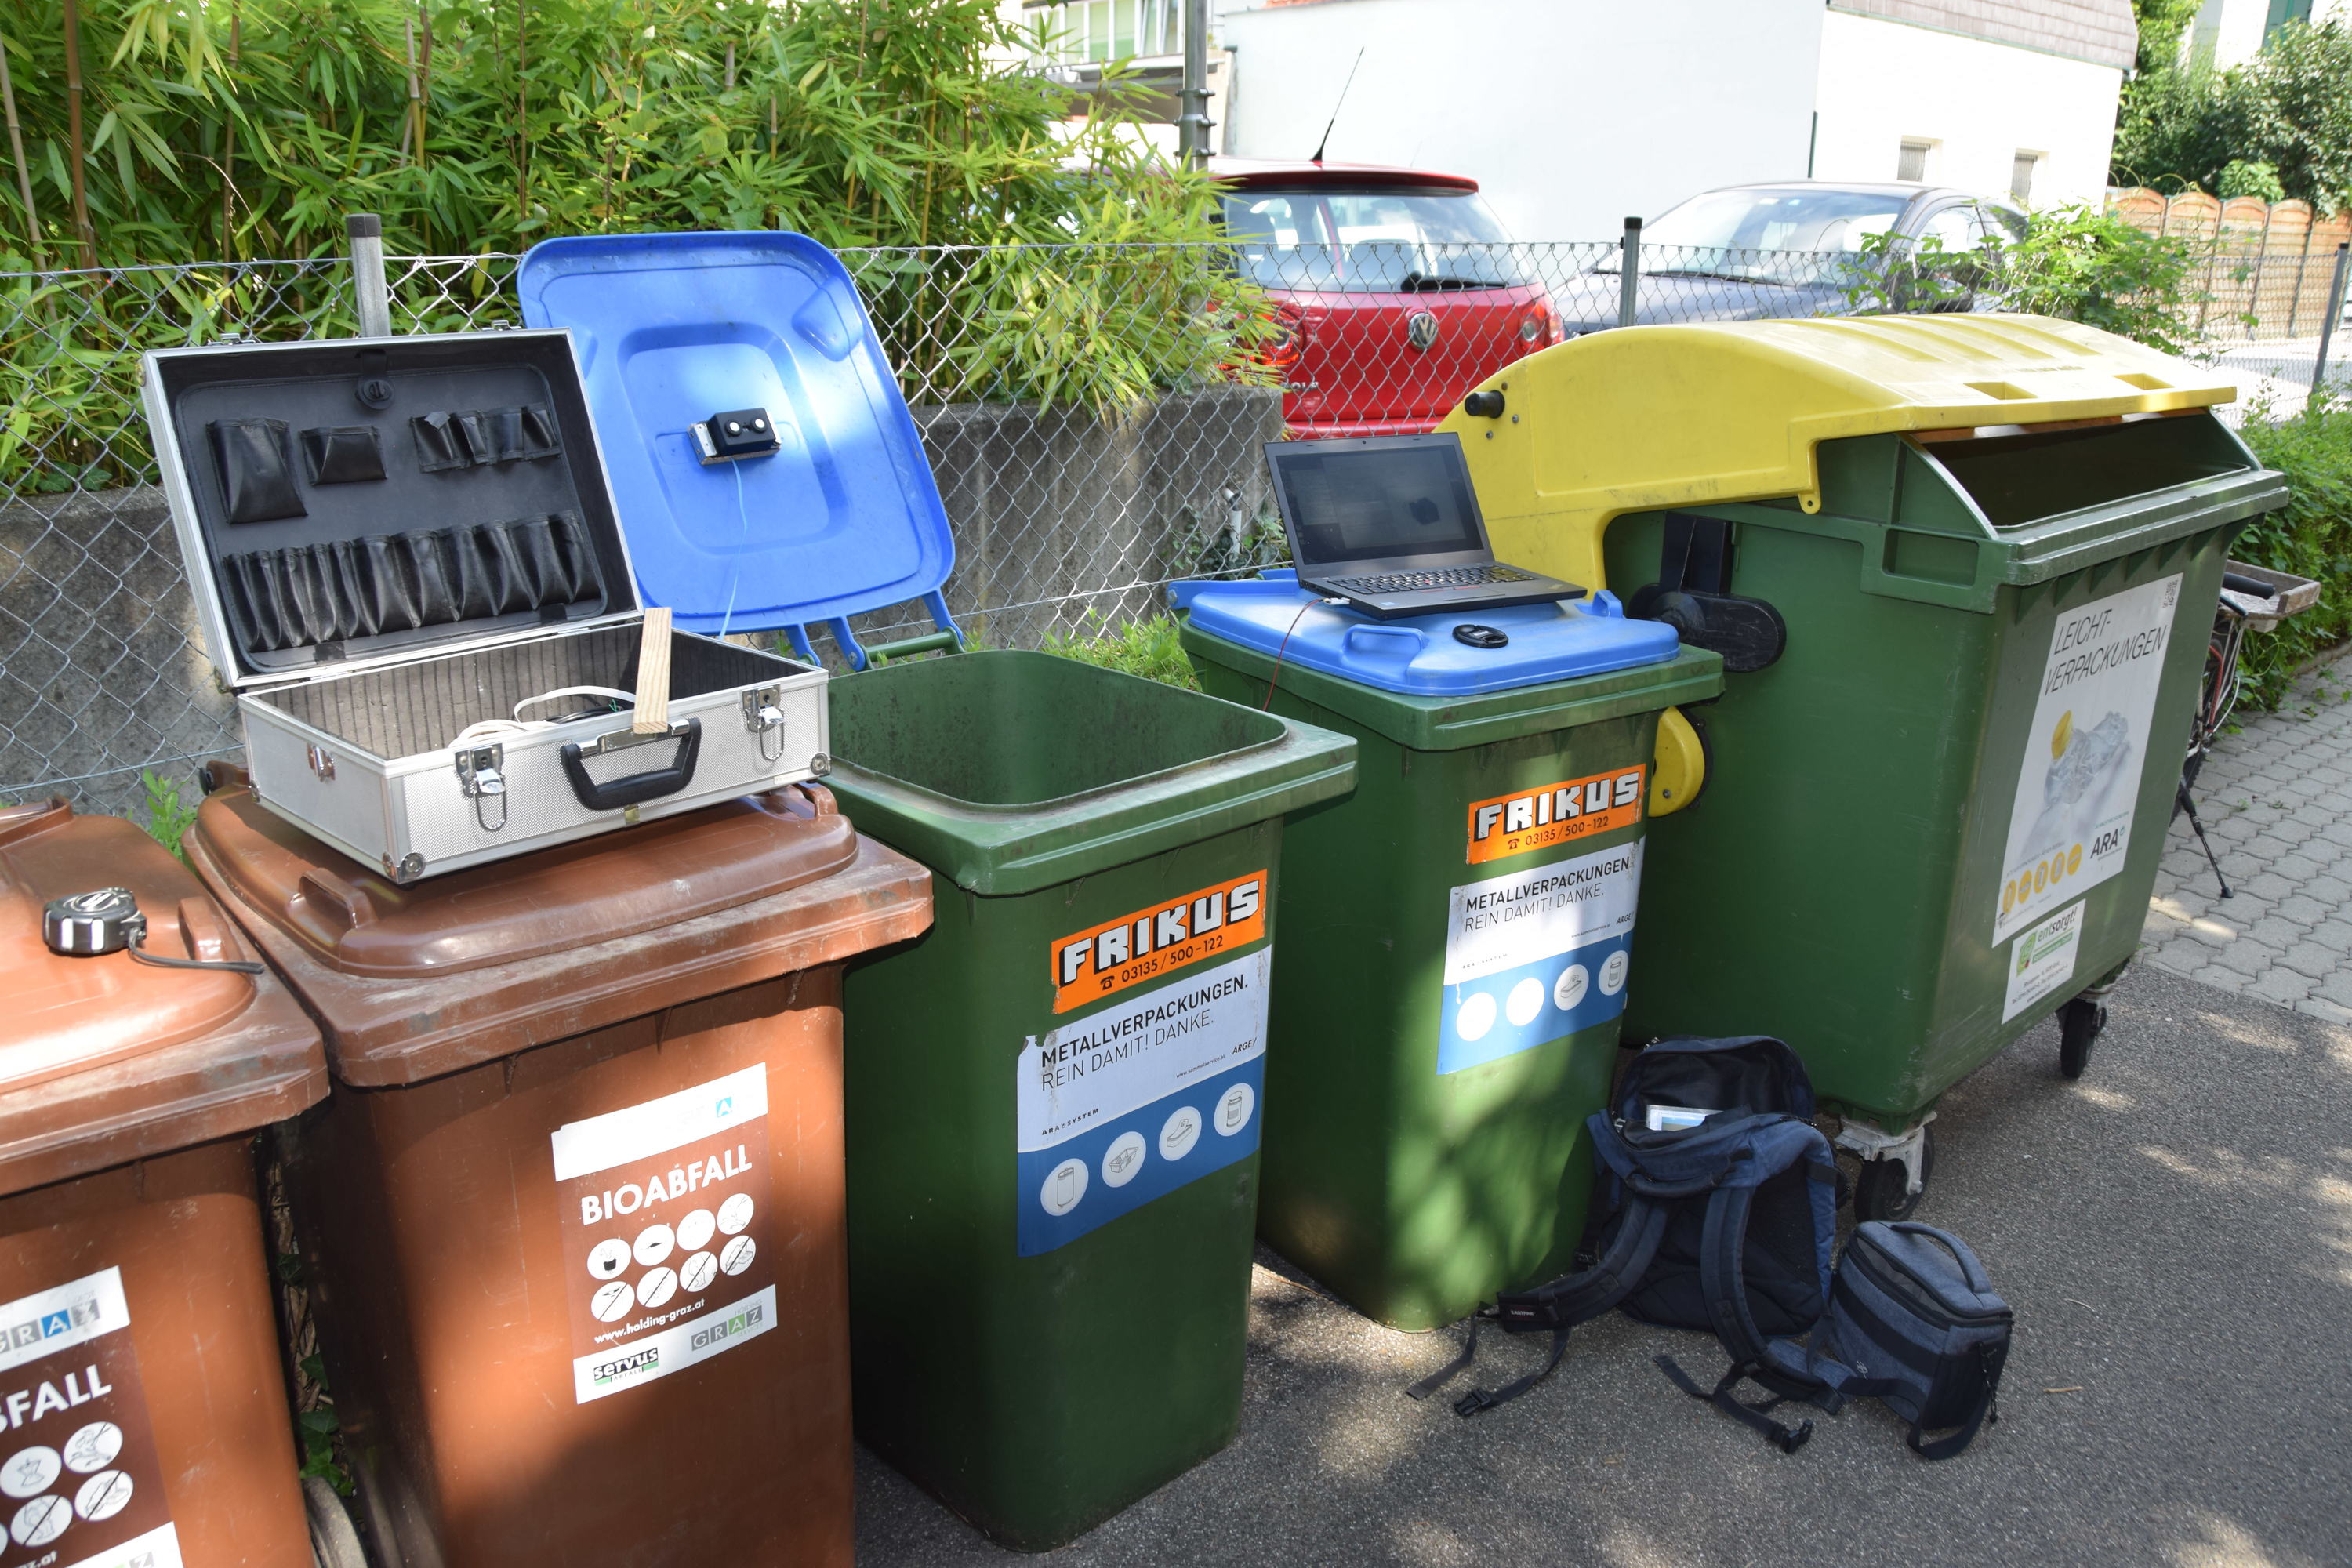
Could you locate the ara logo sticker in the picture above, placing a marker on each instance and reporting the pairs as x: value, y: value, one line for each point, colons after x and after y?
x: 1555, y: 814
x: 1101, y: 961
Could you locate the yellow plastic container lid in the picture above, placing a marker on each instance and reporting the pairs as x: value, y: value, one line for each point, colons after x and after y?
x: 1643, y: 418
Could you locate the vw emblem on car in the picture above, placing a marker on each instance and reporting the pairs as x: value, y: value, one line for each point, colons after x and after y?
x: 1421, y: 329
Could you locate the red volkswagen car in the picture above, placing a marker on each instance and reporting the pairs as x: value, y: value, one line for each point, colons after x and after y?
x: 1395, y: 289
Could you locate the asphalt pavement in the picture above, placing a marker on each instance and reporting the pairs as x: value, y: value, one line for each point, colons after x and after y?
x: 2174, y: 1231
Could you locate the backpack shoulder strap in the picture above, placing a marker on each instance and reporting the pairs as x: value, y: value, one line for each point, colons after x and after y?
x: 1558, y: 1306
x: 1985, y: 1412
x: 1575, y: 1298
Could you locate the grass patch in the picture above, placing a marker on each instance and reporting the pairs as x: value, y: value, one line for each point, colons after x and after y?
x: 2310, y: 536
x: 1148, y: 647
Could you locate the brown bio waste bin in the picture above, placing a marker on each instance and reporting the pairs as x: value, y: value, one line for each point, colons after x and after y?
x: 574, y: 1211
x: 144, y: 1415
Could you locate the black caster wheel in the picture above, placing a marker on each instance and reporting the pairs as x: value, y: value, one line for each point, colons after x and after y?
x: 1884, y: 1190
x: 2079, y: 1023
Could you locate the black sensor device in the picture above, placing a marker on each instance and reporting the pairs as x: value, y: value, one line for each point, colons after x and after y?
x: 85, y: 925
x: 108, y: 919
x: 737, y: 434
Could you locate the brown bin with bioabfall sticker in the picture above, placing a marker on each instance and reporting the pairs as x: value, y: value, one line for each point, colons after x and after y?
x: 574, y: 1211
x: 144, y: 1414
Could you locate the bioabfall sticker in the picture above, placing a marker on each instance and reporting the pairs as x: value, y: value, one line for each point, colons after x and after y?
x: 83, y: 1480
x: 2071, y: 825
x: 667, y: 1252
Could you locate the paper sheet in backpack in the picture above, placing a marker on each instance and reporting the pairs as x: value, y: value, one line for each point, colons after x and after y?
x: 2071, y: 826
x: 1537, y: 955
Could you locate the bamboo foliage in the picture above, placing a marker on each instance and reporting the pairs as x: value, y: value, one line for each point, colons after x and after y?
x: 482, y: 126
x: 241, y: 130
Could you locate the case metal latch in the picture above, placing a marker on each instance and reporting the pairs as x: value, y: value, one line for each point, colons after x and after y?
x: 478, y: 776
x: 321, y: 765
x: 763, y: 715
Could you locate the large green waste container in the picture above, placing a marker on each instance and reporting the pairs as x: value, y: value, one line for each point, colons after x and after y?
x: 1960, y: 569
x: 1052, y: 1094
x: 1456, y: 933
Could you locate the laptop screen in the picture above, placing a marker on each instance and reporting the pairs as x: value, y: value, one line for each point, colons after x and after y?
x: 1376, y: 498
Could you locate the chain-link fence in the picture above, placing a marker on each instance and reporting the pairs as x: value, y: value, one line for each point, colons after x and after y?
x: 1095, y: 417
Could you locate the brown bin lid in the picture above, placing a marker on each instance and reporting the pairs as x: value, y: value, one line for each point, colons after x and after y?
x: 104, y: 1059
x: 410, y: 983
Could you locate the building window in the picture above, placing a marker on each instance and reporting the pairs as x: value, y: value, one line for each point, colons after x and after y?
x: 1911, y: 164
x: 1101, y: 30
x: 2021, y: 175
x: 2280, y: 13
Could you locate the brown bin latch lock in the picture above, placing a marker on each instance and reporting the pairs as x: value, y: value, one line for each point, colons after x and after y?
x: 108, y: 919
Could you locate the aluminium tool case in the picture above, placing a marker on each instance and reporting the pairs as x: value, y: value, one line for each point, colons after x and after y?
x: 393, y: 540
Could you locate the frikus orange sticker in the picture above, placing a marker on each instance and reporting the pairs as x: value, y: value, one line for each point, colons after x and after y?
x: 1556, y: 813
x: 1105, y: 960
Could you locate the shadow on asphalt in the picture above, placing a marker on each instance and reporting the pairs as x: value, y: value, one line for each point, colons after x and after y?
x: 2175, y: 1232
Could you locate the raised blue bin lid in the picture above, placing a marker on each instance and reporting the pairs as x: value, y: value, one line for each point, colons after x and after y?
x: 1419, y: 656
x: 672, y: 328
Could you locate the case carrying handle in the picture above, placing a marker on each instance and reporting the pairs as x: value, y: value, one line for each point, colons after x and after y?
x: 633, y: 789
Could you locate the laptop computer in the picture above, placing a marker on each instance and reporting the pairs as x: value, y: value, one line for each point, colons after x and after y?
x: 1391, y: 524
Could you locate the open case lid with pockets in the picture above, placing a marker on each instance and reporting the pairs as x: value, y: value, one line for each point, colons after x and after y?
x: 1420, y: 656
x: 832, y: 510
x: 356, y: 502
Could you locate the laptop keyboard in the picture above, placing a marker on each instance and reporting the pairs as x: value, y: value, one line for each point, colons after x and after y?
x: 1443, y: 577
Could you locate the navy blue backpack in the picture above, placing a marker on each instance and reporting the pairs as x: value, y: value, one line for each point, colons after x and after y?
x: 1720, y: 1199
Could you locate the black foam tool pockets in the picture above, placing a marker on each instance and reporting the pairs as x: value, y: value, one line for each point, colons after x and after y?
x: 307, y: 594
x: 343, y: 454
x: 468, y: 438
x: 257, y: 469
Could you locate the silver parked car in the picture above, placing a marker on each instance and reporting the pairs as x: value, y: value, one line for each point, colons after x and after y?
x: 1792, y: 249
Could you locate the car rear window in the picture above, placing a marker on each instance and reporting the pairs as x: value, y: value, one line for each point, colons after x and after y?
x: 1373, y: 241
x: 1777, y: 220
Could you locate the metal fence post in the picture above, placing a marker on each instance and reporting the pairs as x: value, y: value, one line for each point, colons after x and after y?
x: 2327, y: 326
x: 366, y: 231
x: 1193, y: 120
x: 1629, y: 278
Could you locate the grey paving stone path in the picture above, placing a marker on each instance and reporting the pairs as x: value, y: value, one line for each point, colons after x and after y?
x: 2276, y: 799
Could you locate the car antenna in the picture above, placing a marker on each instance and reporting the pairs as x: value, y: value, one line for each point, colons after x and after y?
x: 1336, y: 108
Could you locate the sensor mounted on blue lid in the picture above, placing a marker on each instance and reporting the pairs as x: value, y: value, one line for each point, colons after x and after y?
x: 828, y: 511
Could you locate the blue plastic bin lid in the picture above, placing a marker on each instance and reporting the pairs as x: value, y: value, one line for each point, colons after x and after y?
x: 672, y: 328
x: 1419, y: 656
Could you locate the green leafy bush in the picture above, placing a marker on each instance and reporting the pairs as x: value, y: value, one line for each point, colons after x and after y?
x: 244, y: 129
x: 168, y: 817
x: 474, y: 127
x: 2087, y: 265
x: 2310, y: 537
x: 2077, y: 262
x: 1149, y: 649
x: 2239, y: 178
x: 2289, y: 109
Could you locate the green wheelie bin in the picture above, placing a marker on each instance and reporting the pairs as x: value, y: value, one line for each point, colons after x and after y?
x: 1960, y: 569
x: 1052, y: 1097
x: 1456, y: 933
x: 1054, y: 1094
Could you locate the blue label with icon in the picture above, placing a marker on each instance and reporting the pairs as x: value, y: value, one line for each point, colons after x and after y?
x: 1127, y: 1104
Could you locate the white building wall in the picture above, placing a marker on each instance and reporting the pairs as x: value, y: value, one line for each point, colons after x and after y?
x: 1570, y: 114
x: 1979, y: 103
